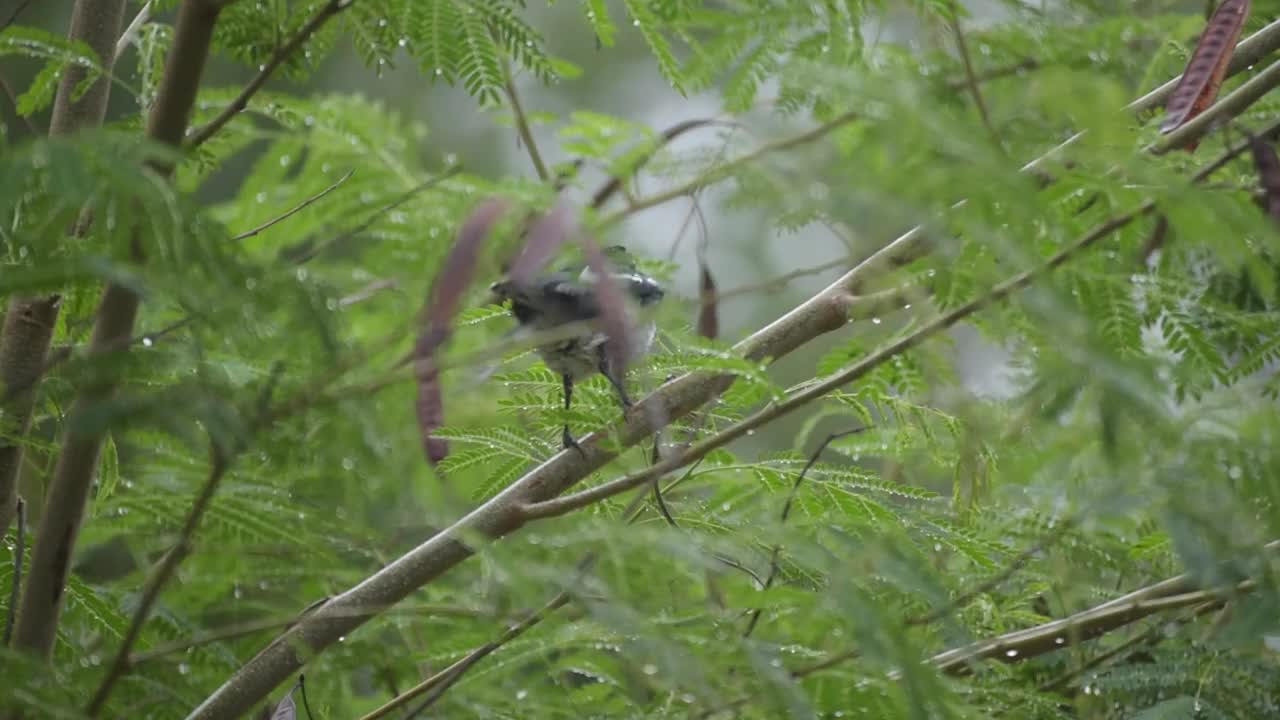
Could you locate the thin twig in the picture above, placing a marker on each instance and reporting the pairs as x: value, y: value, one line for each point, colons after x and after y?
x: 13, y: 98
x: 296, y: 209
x: 994, y: 74
x: 19, y: 557
x: 13, y: 16
x: 724, y: 170
x: 127, y: 36
x: 786, y: 511
x: 220, y: 462
x: 971, y: 78
x: 611, y: 187
x: 407, y: 195
x: 329, y: 10
x: 522, y: 122
x: 239, y: 630
x: 302, y: 690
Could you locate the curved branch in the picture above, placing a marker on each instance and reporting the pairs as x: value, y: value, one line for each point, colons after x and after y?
x: 507, y: 512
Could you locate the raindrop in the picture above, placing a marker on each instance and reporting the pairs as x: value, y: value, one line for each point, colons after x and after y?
x: 1011, y: 653
x: 875, y: 321
x: 1059, y: 640
x: 403, y: 42
x: 147, y: 342
x: 522, y: 694
x: 650, y: 669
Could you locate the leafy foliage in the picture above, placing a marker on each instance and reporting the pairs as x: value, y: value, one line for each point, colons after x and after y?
x: 1128, y: 437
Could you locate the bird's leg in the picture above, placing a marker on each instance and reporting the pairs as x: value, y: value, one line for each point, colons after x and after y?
x: 607, y: 370
x: 565, y: 438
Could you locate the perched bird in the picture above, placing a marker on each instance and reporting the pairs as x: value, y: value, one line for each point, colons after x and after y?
x: 569, y: 295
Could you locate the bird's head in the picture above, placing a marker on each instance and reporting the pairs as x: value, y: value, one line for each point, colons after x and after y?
x: 569, y: 294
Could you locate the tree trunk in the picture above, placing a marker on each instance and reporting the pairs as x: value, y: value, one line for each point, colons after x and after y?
x: 30, y: 321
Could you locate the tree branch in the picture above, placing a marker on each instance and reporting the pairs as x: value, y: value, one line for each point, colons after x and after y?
x: 73, y: 474
x: 786, y: 512
x: 522, y: 121
x: 504, y: 514
x: 295, y: 210
x: 1023, y: 645
x: 971, y: 79
x: 329, y: 10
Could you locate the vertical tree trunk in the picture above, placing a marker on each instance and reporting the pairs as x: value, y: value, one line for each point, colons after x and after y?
x: 29, y: 321
x: 43, y: 596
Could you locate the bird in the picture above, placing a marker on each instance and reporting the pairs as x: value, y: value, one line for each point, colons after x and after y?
x: 568, y: 295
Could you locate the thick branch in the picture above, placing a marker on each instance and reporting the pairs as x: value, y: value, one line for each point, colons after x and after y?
x: 1023, y: 645
x: 504, y: 514
x: 29, y: 321
x: 69, y: 487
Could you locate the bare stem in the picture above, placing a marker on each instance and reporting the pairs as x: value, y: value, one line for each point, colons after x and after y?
x: 522, y: 121
x: 971, y: 79
x: 322, y: 16
x: 295, y: 210
x: 786, y: 511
